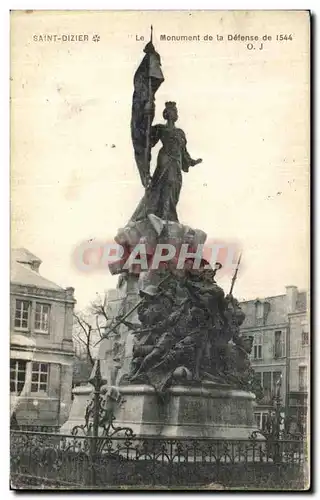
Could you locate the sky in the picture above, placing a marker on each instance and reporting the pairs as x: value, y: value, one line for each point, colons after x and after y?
x: 244, y: 112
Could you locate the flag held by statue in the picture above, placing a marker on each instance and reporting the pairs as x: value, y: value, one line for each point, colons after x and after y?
x: 147, y: 81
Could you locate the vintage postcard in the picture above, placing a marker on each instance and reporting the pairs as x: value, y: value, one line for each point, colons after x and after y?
x: 160, y: 313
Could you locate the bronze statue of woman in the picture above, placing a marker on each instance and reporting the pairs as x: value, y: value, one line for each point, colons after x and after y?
x: 163, y: 190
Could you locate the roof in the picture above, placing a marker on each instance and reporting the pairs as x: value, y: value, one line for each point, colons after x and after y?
x: 22, y: 274
x: 278, y: 311
x: 24, y: 255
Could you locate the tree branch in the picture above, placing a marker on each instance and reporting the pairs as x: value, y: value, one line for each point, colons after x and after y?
x: 87, y: 330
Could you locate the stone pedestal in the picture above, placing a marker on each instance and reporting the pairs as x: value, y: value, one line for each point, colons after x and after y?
x: 206, y: 411
x: 115, y: 351
x: 82, y: 396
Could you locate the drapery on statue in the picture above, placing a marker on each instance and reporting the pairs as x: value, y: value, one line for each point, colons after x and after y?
x: 163, y: 188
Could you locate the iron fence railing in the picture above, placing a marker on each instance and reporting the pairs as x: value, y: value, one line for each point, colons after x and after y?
x: 99, y: 454
x: 42, y: 460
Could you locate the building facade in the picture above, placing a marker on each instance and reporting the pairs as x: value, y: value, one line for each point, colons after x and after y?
x: 41, y: 348
x: 280, y: 353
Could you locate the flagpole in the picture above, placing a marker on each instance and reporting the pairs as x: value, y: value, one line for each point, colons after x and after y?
x: 147, y: 151
x: 235, y: 275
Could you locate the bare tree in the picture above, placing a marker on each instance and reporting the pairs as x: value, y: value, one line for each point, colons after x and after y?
x: 99, y: 309
x: 83, y: 337
x: 90, y: 326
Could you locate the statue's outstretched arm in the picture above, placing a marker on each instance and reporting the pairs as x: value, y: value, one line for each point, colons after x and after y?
x: 187, y: 161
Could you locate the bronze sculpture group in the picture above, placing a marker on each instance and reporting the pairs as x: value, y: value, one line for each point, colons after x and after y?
x: 189, y: 332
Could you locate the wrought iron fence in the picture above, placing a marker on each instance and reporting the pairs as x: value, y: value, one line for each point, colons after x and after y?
x: 42, y: 460
x: 101, y: 455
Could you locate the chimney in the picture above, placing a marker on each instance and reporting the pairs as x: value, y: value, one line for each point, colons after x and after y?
x: 70, y: 292
x: 292, y: 294
x: 33, y: 264
x: 23, y: 256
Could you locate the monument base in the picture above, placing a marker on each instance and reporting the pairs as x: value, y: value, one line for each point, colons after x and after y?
x: 81, y: 397
x: 208, y: 410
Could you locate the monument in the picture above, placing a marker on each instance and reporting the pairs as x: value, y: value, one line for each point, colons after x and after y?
x: 174, y: 353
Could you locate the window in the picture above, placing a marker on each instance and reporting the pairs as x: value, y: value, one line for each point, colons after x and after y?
x: 39, y: 380
x: 42, y: 318
x: 266, y: 384
x: 257, y: 417
x: 276, y: 380
x: 21, y: 319
x: 17, y: 375
x: 302, y: 378
x: 261, y: 419
x: 270, y: 381
x: 305, y: 338
x: 262, y: 310
x: 278, y: 344
x: 257, y: 347
x: 259, y: 313
x: 264, y: 421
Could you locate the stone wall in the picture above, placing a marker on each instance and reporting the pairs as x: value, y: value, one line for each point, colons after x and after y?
x: 299, y: 353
